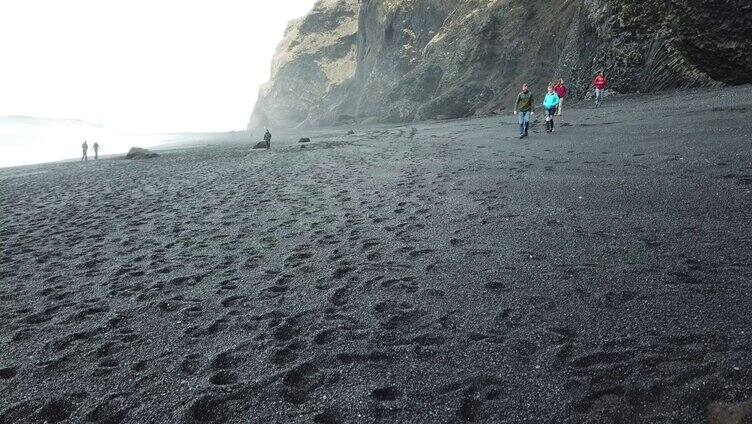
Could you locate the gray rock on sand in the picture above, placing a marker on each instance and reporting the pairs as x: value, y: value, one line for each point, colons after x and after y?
x: 730, y: 413
x: 261, y: 145
x: 139, y: 153
x: 304, y: 140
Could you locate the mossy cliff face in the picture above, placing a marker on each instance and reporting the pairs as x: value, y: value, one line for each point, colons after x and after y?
x: 424, y: 59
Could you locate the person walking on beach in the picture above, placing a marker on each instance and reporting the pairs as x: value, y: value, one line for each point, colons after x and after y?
x: 550, y: 103
x: 84, y: 149
x: 268, y: 139
x: 524, y: 109
x: 561, y: 91
x: 96, y: 150
x: 600, y: 83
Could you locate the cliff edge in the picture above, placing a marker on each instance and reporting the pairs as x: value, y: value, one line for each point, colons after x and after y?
x: 406, y: 60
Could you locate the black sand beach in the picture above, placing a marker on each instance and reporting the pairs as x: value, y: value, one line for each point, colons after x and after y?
x: 429, y: 273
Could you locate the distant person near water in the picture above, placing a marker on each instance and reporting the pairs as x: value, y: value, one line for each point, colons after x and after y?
x: 96, y: 150
x: 524, y: 109
x: 85, y: 150
x: 550, y: 103
x: 561, y: 91
x: 268, y: 139
x: 600, y: 83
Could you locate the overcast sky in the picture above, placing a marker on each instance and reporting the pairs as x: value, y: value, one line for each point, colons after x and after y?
x: 140, y: 65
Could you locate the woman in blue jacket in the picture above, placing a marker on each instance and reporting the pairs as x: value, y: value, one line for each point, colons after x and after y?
x: 550, y: 103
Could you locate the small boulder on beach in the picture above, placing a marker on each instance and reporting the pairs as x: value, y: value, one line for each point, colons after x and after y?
x: 304, y: 140
x: 139, y: 153
x: 261, y: 145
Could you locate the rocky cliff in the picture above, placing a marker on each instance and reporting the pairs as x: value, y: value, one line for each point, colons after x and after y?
x: 312, y: 69
x: 405, y: 60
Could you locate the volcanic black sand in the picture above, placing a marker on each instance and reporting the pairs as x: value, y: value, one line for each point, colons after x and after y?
x: 436, y: 272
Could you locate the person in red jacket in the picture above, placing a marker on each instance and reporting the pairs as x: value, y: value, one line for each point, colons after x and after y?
x: 600, y: 82
x: 561, y: 91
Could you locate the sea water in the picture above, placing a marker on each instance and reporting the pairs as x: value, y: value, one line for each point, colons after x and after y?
x: 26, y: 141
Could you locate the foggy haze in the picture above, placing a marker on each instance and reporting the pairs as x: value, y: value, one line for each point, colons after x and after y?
x: 139, y: 66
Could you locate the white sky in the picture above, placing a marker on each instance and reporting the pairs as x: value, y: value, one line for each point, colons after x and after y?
x: 140, y: 65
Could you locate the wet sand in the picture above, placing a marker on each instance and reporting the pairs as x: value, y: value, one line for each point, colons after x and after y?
x: 436, y: 272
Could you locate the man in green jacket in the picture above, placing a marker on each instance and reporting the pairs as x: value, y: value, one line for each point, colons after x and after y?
x: 524, y: 109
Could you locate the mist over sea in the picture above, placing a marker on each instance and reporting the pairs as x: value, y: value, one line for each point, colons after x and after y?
x: 27, y: 140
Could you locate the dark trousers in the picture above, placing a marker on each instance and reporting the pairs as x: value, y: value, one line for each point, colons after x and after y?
x: 550, y: 119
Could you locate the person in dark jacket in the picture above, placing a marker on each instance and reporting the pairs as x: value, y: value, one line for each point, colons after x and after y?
x: 84, y: 151
x: 561, y: 91
x: 524, y: 109
x: 600, y: 83
x: 96, y: 150
x: 268, y: 139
